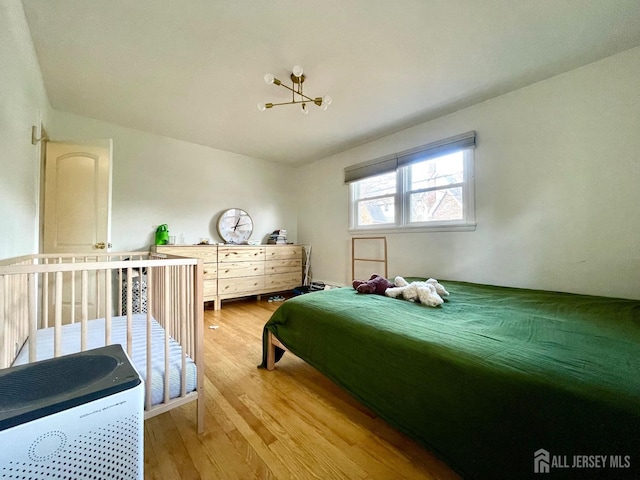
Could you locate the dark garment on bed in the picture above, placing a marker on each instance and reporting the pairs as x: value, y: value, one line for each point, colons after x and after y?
x: 488, y: 378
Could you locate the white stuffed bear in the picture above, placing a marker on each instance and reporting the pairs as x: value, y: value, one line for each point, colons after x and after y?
x: 428, y: 293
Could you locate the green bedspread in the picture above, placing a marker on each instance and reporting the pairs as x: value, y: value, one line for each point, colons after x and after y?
x: 488, y: 378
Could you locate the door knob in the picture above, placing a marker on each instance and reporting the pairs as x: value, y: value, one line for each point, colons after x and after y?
x: 100, y: 245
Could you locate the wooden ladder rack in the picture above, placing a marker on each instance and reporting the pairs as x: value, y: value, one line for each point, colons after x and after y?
x: 382, y: 259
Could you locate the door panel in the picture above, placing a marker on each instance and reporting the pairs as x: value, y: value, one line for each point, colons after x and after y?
x: 77, y: 203
x: 77, y: 216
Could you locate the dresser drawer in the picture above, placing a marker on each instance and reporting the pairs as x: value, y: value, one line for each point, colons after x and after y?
x: 209, y: 290
x: 208, y: 253
x: 283, y: 251
x: 210, y: 271
x: 240, y: 269
x: 283, y: 266
x: 282, y: 281
x: 240, y: 254
x: 246, y: 286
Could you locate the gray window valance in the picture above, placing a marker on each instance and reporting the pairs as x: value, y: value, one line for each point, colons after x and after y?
x: 391, y: 163
x: 371, y: 168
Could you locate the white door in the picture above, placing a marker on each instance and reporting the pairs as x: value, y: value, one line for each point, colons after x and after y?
x: 77, y: 197
x: 77, y: 219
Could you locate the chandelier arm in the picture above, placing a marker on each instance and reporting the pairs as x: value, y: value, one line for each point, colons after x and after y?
x: 309, y: 99
x: 293, y: 102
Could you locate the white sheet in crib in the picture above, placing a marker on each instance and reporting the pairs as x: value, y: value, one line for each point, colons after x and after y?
x: 96, y: 336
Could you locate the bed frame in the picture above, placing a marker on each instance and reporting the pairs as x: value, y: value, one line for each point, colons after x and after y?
x: 270, y: 350
x: 486, y: 381
x: 52, y: 291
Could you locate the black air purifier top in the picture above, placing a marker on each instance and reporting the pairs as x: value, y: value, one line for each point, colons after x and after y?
x: 38, y: 389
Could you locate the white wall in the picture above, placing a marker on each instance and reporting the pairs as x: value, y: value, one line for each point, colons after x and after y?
x: 23, y: 103
x: 160, y: 180
x: 557, y: 190
x: 557, y: 169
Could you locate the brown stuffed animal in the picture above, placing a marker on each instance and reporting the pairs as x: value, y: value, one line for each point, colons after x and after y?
x: 376, y: 285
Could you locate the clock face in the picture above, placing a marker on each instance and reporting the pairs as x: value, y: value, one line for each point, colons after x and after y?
x: 235, y: 226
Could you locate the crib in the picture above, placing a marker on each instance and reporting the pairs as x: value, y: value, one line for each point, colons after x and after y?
x: 150, y: 303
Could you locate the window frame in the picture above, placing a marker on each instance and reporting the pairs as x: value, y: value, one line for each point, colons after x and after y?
x: 354, y: 203
x: 402, y: 201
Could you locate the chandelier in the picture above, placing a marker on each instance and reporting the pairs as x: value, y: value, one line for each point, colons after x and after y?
x: 297, y: 97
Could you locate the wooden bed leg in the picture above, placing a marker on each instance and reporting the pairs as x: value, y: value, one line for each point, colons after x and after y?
x: 271, y: 352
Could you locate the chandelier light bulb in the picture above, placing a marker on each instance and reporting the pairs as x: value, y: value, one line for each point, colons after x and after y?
x: 297, y: 71
x: 262, y: 107
x: 326, y: 101
x: 268, y: 78
x: 305, y: 110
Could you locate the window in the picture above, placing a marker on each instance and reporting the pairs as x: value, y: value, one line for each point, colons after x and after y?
x: 431, y: 187
x: 434, y: 189
x: 376, y: 200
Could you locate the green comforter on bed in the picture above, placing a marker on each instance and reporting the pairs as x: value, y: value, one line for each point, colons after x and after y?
x: 488, y: 378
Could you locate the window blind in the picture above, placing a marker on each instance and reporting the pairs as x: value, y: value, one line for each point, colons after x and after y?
x: 371, y: 168
x: 437, y: 149
x: 390, y: 163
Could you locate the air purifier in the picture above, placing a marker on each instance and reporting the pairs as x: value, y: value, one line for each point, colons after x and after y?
x: 74, y: 417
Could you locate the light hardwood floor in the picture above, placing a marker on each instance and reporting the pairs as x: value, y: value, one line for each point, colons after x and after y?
x: 292, y: 423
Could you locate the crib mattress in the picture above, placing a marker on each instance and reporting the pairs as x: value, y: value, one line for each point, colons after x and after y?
x: 71, y: 335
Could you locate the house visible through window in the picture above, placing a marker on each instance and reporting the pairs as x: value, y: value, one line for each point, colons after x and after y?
x: 431, y: 187
x: 376, y: 199
x: 435, y: 189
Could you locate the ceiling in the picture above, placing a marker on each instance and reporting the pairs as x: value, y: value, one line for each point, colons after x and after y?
x: 193, y: 69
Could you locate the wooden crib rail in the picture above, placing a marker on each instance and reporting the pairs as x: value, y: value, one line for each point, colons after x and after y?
x: 40, y: 291
x: 15, y: 312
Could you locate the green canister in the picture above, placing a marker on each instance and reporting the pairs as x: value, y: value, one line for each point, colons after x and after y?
x: 162, y: 235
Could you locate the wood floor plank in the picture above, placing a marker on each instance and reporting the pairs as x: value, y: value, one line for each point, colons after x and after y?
x: 253, y: 439
x: 223, y: 462
x: 292, y: 423
x: 155, y: 439
x: 151, y: 467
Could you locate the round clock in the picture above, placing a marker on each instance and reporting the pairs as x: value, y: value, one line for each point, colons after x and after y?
x: 235, y: 226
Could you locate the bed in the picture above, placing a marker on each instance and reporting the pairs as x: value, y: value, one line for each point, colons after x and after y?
x: 488, y: 381
x: 151, y: 304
